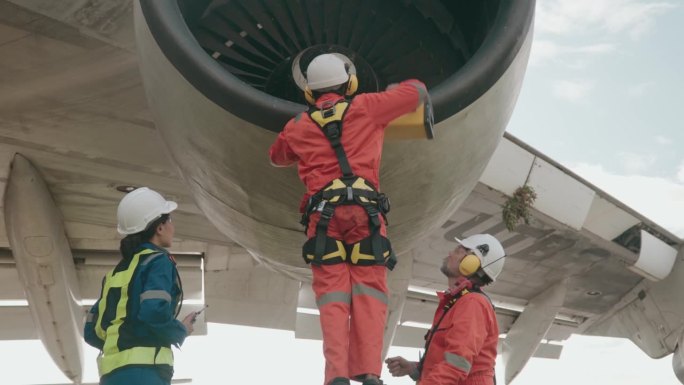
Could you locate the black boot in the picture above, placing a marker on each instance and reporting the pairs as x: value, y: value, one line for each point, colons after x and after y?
x: 339, y: 381
x: 372, y: 381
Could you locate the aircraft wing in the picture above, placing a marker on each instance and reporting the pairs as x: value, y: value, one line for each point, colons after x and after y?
x: 584, y: 264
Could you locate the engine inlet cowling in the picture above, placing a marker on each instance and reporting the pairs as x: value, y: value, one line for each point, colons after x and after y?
x: 458, y: 48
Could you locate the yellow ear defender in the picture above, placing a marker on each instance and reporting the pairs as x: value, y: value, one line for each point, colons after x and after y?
x: 469, y: 265
x: 352, y: 85
x: 309, y: 96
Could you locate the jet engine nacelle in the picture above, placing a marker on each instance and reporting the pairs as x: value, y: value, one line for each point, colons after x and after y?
x: 222, y: 79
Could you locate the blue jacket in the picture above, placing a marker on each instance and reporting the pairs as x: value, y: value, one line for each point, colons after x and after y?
x: 150, y: 319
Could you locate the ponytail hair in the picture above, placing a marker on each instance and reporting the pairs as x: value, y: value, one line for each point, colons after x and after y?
x: 130, y: 243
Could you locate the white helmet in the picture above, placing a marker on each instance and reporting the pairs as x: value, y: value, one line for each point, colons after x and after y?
x: 139, y: 208
x: 489, y: 250
x: 326, y: 71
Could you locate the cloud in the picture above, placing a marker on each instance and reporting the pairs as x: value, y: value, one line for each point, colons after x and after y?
x: 640, y: 89
x: 546, y: 50
x: 628, y: 365
x: 571, y: 17
x: 572, y: 91
x: 659, y: 199
x: 680, y: 172
x: 634, y: 163
x: 662, y: 140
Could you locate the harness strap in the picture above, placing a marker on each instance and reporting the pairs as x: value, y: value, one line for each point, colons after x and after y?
x: 339, y: 150
x: 377, y: 250
x: 349, y: 189
x: 322, y: 229
x: 430, y: 334
x: 329, y: 119
x: 350, y: 193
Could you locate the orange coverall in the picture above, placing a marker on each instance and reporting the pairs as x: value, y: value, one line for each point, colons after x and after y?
x: 352, y: 335
x: 463, y: 348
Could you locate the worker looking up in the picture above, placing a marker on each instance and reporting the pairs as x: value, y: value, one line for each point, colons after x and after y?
x: 460, y: 347
x: 337, y: 147
x: 133, y: 323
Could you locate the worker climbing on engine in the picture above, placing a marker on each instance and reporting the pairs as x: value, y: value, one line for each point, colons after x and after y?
x: 337, y: 146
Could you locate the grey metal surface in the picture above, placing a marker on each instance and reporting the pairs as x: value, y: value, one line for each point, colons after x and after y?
x: 223, y: 160
x: 83, y: 121
x: 678, y: 362
x: 539, y: 255
x: 650, y: 314
x: 530, y: 328
x: 398, y: 281
x: 45, y: 265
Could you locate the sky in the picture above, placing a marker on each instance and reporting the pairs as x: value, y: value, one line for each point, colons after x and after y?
x: 601, y: 96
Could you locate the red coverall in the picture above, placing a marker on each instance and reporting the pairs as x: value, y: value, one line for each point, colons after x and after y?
x: 352, y: 347
x: 463, y: 349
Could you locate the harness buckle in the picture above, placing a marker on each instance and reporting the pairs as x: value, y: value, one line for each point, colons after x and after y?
x: 350, y: 193
x: 328, y: 109
x: 332, y: 131
x: 321, y: 205
x: 383, y: 203
x: 373, y: 215
x: 372, y: 211
x: 326, y: 211
x: 391, y: 262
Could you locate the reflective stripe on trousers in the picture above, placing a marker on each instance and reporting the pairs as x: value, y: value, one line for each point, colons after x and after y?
x: 351, y: 346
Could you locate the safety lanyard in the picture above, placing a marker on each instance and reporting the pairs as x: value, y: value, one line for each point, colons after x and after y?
x: 449, y: 305
x: 431, y: 332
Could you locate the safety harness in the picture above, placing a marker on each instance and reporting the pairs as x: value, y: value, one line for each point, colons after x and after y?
x: 465, y: 288
x: 349, y: 189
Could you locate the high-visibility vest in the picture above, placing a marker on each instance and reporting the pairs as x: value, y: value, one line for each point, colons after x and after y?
x: 111, y: 320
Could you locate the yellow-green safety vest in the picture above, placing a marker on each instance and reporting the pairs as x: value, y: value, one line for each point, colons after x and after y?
x: 111, y: 357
